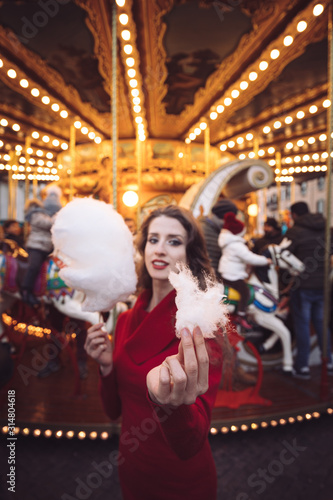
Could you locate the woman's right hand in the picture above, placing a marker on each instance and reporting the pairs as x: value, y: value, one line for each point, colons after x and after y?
x: 99, y: 347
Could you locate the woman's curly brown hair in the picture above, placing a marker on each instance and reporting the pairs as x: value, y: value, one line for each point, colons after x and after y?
x: 196, y: 252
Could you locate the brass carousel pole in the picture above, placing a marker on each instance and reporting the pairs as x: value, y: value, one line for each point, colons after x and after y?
x: 27, y: 183
x: 34, y: 184
x: 139, y: 145
x: 14, y: 197
x: 114, y: 104
x: 10, y: 188
x: 293, y: 192
x: 207, y: 149
x: 278, y: 184
x: 72, y: 140
x: 256, y: 225
x: 327, y: 284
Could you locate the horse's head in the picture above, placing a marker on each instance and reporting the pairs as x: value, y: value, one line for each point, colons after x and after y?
x: 284, y: 259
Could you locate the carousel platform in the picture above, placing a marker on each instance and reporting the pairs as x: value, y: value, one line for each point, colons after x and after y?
x: 65, y: 405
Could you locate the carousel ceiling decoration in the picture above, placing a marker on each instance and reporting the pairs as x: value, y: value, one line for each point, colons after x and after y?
x: 247, y: 76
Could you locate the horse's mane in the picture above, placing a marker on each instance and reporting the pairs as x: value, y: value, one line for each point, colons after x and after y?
x: 262, y: 272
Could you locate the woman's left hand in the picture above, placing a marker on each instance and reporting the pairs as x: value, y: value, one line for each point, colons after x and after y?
x: 181, y: 378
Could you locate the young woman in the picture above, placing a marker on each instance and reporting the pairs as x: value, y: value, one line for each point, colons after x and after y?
x: 163, y: 388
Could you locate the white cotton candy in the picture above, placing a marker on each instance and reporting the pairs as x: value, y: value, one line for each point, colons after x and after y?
x: 96, y: 246
x: 204, y: 309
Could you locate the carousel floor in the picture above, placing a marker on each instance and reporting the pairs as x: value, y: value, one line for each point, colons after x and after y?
x: 64, y: 402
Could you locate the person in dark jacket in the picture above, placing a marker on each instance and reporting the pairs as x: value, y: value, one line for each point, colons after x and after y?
x: 13, y: 231
x: 40, y: 216
x: 211, y: 226
x: 39, y: 246
x: 272, y: 235
x: 307, y: 293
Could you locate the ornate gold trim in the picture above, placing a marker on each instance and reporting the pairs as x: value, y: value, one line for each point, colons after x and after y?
x: 99, y: 24
x: 314, y: 33
x: 285, y: 107
x: 152, y: 12
x: 50, y: 79
x: 131, y: 26
x: 32, y: 123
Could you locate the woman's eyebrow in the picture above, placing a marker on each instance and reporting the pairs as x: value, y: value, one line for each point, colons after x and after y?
x: 168, y: 235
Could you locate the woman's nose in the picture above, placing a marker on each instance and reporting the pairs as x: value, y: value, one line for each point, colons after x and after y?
x: 160, y: 248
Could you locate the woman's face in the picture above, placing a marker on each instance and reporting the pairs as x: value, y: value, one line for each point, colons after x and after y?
x: 166, y: 245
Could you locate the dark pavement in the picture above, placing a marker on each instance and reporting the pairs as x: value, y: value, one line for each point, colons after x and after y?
x: 290, y: 462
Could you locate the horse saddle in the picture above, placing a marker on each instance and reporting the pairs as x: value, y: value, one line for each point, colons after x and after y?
x: 14, y: 273
x: 233, y: 297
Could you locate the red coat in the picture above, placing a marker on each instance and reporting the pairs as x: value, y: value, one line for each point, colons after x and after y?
x: 164, y: 453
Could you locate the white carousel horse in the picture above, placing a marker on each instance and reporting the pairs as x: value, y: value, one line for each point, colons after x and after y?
x: 264, y: 301
x: 51, y: 290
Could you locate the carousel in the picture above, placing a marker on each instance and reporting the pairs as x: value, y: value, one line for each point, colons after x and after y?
x: 145, y: 103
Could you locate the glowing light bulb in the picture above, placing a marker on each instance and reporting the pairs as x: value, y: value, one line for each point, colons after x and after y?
x: 318, y: 9
x: 302, y: 25
x: 130, y: 198
x: 288, y: 40
x: 275, y: 54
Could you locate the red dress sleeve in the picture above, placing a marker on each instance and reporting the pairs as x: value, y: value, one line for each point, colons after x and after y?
x: 108, y: 387
x: 186, y: 428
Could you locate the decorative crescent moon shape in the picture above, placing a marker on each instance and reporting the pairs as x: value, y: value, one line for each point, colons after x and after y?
x: 234, y: 178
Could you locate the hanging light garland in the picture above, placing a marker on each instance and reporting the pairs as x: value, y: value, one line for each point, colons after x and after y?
x: 295, y: 31
x: 17, y: 79
x: 131, y: 60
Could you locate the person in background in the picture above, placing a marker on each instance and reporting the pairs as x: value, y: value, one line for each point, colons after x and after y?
x: 130, y: 223
x: 272, y: 235
x: 234, y: 261
x: 162, y: 387
x: 13, y: 231
x: 307, y: 293
x: 52, y: 199
x: 40, y: 217
x: 211, y: 226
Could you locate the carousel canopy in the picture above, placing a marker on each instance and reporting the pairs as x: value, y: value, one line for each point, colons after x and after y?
x: 253, y: 71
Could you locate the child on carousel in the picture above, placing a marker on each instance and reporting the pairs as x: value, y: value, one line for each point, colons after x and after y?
x: 40, y: 216
x: 234, y: 261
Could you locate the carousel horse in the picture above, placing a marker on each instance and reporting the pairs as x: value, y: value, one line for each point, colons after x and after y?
x: 263, y: 307
x: 49, y: 287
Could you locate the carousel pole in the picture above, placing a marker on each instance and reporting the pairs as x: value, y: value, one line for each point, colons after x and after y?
x: 327, y: 284
x: 14, y: 188
x: 34, y: 184
x: 72, y: 140
x: 258, y: 199
x: 293, y: 192
x: 27, y: 183
x: 139, y: 145
x: 10, y: 195
x: 278, y: 184
x: 207, y: 148
x: 114, y: 104
x: 10, y: 188
x: 27, y: 158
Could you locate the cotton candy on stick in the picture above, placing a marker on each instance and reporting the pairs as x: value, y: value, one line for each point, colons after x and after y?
x: 96, y: 248
x: 196, y: 307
